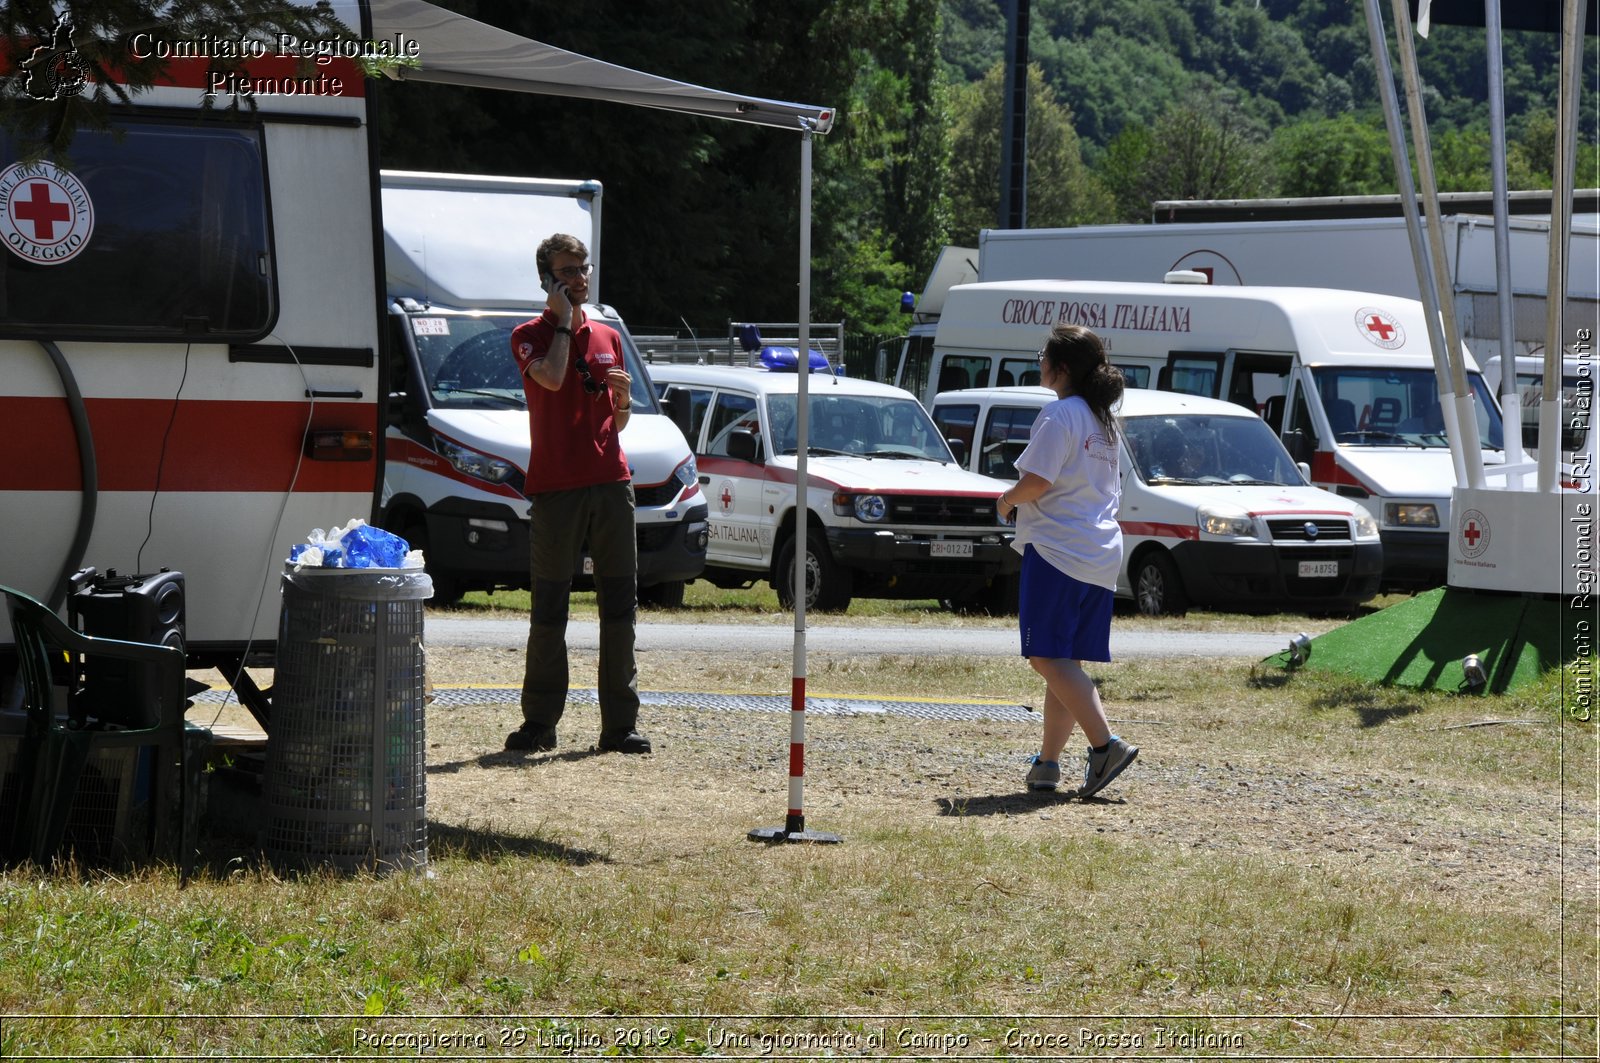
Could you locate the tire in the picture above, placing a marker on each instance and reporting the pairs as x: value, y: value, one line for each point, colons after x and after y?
x: 1157, y: 588
x: 829, y: 586
x: 668, y: 595
x: 447, y: 589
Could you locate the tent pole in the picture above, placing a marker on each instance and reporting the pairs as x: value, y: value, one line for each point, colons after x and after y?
x: 1465, y: 438
x: 1510, y: 404
x: 1426, y: 290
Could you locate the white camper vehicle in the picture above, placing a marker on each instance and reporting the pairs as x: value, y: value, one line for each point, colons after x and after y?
x: 1345, y: 379
x: 458, y: 250
x: 193, y: 329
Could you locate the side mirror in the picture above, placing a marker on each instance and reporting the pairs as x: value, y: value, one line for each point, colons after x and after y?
x: 1305, y: 470
x: 744, y: 445
x: 395, y: 409
x: 959, y: 449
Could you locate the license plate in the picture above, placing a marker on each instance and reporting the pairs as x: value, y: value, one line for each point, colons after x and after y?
x: 950, y: 548
x: 588, y: 566
x: 1318, y: 569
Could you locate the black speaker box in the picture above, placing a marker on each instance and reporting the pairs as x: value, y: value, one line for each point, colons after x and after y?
x: 142, y: 608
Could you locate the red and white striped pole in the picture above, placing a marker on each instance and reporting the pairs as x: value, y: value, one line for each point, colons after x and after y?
x: 794, y: 826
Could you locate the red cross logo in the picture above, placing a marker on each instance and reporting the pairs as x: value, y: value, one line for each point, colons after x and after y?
x: 1472, y: 533
x: 1380, y: 327
x: 46, y: 214
x: 1475, y: 533
x: 726, y: 497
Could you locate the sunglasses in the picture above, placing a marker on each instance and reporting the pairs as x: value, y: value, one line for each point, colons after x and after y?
x: 590, y: 384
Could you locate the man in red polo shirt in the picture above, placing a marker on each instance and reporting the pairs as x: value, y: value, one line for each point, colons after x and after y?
x: 580, y: 493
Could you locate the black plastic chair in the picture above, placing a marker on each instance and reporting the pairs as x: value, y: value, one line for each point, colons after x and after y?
x: 60, y: 737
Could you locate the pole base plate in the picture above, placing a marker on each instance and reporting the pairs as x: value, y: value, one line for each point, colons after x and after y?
x: 781, y: 834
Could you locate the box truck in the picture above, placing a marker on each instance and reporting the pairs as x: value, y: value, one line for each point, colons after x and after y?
x: 1345, y: 379
x: 459, y: 260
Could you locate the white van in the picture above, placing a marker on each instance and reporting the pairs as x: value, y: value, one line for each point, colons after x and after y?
x: 892, y: 514
x: 1345, y: 379
x: 1214, y: 513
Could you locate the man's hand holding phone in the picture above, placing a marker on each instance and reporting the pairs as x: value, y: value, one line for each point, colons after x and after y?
x: 558, y: 298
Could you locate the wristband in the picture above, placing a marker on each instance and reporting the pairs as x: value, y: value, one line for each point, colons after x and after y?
x: 564, y: 330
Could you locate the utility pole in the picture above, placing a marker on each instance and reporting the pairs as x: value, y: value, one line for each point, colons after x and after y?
x: 1014, y: 120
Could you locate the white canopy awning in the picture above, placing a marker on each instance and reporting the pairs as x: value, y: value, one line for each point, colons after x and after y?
x: 456, y: 50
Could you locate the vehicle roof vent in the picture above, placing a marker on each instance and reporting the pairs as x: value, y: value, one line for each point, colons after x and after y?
x: 1185, y: 276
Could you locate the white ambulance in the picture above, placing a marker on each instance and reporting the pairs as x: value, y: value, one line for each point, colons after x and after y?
x: 1345, y: 379
x: 891, y: 512
x: 1214, y: 512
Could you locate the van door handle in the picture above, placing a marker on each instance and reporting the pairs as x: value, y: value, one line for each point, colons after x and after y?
x: 705, y: 479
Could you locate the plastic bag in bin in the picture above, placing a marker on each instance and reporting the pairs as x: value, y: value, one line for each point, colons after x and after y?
x: 356, y: 545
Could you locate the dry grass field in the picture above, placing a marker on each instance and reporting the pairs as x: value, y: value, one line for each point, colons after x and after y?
x: 1295, y: 867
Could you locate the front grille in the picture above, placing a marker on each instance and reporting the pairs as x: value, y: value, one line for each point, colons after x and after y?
x: 660, y: 494
x: 1293, y: 530
x: 653, y: 537
x: 937, y: 510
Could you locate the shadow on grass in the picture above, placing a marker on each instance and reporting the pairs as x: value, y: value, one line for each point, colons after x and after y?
x: 1014, y: 804
x: 508, y: 758
x: 1369, y: 709
x: 485, y: 844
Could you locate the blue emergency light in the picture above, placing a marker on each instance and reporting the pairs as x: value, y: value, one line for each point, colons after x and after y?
x: 787, y: 360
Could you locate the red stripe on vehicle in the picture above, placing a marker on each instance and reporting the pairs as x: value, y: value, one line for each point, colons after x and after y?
x: 413, y: 453
x: 329, y: 76
x: 1157, y: 529
x: 208, y: 445
x: 1326, y: 470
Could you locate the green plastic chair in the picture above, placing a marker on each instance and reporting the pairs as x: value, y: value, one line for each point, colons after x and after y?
x: 60, y: 737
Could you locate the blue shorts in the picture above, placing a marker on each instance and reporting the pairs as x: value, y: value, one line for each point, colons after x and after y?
x: 1061, y: 616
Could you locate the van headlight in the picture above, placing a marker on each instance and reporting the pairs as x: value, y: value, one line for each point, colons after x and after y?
x: 483, y: 466
x: 1366, y: 526
x: 686, y: 473
x: 1411, y: 514
x: 1226, y: 523
x: 870, y: 509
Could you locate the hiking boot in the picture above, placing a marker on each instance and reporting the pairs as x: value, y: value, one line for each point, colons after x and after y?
x: 1106, y: 765
x: 632, y: 742
x: 1044, y: 774
x: 530, y: 739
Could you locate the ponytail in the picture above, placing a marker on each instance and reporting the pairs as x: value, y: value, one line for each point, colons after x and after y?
x: 1094, y: 379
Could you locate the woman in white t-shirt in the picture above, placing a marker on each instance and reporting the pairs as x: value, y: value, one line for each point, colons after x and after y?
x: 1065, y: 507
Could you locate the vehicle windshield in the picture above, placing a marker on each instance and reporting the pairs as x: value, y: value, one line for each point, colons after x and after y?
x: 466, y: 361
x: 1377, y: 407
x: 1574, y: 410
x: 1189, y: 448
x: 870, y: 426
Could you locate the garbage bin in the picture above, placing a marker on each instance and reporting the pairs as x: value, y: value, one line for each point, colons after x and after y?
x: 345, y: 782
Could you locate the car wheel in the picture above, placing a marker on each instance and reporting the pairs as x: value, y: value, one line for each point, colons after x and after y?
x: 828, y: 587
x: 1157, y: 588
x: 668, y: 595
x: 447, y: 589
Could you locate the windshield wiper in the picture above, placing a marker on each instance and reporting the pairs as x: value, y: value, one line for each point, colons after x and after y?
x: 1172, y: 480
x: 1368, y: 434
x: 824, y: 452
x: 498, y: 396
x: 897, y: 454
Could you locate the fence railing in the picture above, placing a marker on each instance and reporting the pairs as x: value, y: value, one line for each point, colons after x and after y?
x: 869, y: 356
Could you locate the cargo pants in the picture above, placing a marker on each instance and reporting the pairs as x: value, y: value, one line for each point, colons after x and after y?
x: 561, y: 523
